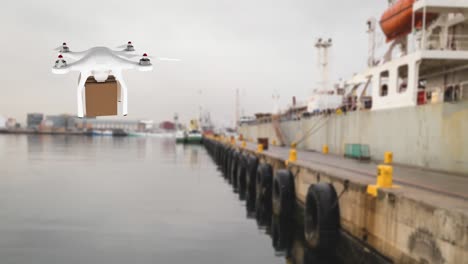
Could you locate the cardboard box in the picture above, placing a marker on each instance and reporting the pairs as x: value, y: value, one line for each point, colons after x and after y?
x: 101, y: 98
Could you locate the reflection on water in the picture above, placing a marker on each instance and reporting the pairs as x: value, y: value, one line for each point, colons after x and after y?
x: 288, y: 239
x: 79, y: 145
x: 75, y: 199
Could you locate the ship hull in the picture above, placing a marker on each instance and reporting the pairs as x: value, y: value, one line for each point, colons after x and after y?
x: 430, y: 136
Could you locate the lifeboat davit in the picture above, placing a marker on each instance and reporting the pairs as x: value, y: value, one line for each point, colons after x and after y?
x: 396, y: 20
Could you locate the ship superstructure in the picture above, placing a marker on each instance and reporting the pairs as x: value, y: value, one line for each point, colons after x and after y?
x: 426, y: 62
x: 411, y: 100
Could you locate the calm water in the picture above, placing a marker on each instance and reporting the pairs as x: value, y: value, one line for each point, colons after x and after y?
x: 122, y: 200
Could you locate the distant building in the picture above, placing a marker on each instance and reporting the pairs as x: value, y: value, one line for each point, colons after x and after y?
x: 167, y: 125
x: 145, y: 125
x: 61, y: 122
x: 2, y: 122
x: 109, y: 124
x: 11, y: 123
x: 57, y: 121
x: 34, y: 120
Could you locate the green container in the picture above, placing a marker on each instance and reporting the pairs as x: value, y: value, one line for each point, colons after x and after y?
x: 357, y: 151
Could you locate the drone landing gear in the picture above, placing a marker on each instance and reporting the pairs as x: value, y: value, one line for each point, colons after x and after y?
x: 123, y: 92
x: 81, y: 86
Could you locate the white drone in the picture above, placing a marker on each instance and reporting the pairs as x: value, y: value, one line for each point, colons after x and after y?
x: 100, y: 62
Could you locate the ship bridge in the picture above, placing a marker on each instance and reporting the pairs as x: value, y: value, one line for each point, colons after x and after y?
x: 426, y: 65
x: 443, y: 29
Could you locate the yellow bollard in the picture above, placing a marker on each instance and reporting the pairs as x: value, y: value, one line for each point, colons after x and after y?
x: 384, y: 179
x: 388, y: 157
x: 292, y: 155
x: 325, y: 149
x: 384, y: 176
x: 260, y: 148
x: 244, y: 144
x: 273, y: 142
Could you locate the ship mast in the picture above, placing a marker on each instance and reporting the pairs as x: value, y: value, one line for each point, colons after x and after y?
x: 236, y: 109
x: 276, y: 108
x: 176, y: 121
x: 323, y: 61
x: 371, y: 24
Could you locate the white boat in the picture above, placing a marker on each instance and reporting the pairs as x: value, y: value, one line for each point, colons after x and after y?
x: 194, y: 136
x: 107, y: 133
x: 180, y: 136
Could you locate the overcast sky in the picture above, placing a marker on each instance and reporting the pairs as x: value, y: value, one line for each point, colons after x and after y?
x: 257, y: 46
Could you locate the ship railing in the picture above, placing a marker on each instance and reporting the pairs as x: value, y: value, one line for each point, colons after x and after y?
x: 445, y: 42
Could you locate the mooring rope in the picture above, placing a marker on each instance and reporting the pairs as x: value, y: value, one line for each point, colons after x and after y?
x: 313, y: 129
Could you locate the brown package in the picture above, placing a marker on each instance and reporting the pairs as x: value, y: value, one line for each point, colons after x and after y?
x: 101, y: 98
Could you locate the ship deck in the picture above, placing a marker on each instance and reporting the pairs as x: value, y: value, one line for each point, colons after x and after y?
x: 441, y: 189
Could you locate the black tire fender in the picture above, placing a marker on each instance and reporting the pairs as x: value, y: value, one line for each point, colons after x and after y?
x: 251, y: 174
x: 234, y: 168
x: 321, y: 217
x: 228, y: 160
x: 241, y: 175
x: 284, y: 197
x: 264, y: 181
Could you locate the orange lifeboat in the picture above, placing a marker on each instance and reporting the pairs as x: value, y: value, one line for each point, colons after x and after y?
x: 396, y: 20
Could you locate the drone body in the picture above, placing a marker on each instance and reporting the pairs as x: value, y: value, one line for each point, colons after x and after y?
x: 100, y: 63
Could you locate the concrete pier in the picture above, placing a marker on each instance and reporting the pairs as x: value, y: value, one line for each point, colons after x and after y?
x: 422, y: 220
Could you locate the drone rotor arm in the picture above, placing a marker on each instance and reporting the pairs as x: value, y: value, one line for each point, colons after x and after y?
x: 73, y: 66
x: 126, y: 54
x: 74, y: 55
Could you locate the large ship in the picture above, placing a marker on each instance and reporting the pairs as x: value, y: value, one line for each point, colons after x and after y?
x: 412, y: 100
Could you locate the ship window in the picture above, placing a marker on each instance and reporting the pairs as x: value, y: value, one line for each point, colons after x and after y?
x: 402, y: 82
x: 384, y: 83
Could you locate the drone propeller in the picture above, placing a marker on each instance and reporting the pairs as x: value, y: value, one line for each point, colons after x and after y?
x: 63, y: 48
x: 127, y: 47
x: 158, y: 58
